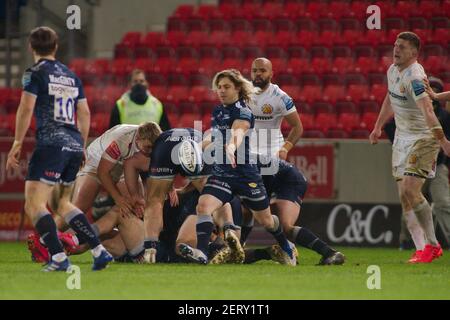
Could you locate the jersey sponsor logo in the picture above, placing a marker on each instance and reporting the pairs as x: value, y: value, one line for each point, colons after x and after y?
x: 288, y: 102
x: 263, y: 118
x: 418, y: 87
x: 252, y: 185
x: 113, y: 151
x: 396, y: 96
x: 62, y: 80
x: 52, y: 174
x: 267, y: 109
x: 179, y: 138
x: 161, y: 170
x: 26, y: 79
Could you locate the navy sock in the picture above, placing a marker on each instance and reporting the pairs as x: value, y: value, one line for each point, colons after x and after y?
x: 151, y: 243
x: 278, y: 234
x: 78, y: 222
x: 245, y: 231
x: 254, y: 255
x: 46, y: 227
x: 204, y: 230
x: 307, y: 239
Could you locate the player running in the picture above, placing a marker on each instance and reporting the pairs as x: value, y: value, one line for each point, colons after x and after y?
x: 416, y: 145
x: 55, y: 95
x: 230, y: 175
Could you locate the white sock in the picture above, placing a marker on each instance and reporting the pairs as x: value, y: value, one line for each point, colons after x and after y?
x: 425, y: 218
x: 415, y: 229
x: 97, y: 250
x: 59, y: 257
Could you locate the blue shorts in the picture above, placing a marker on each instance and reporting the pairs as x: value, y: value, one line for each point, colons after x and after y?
x: 291, y: 186
x: 53, y: 165
x: 252, y: 192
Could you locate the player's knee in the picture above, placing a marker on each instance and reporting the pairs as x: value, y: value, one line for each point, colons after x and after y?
x: 203, y: 208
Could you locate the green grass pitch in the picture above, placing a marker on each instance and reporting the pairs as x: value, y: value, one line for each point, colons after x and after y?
x: 22, y: 279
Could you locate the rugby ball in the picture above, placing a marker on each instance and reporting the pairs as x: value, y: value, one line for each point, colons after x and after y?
x: 190, y: 157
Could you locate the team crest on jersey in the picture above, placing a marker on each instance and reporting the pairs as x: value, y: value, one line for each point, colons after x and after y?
x: 402, y: 88
x: 267, y: 109
x: 252, y: 185
x: 412, y: 159
x: 113, y: 151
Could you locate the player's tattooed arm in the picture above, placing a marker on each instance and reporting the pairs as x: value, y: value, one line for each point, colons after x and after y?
x: 23, y: 120
x: 386, y: 113
x: 83, y: 119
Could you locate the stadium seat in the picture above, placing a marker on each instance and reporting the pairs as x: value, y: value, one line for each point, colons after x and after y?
x: 131, y: 39
x: 427, y: 9
x: 314, y: 10
x: 333, y: 93
x: 99, y: 124
x: 378, y: 92
x: 404, y: 9
x: 369, y: 106
x: 184, y: 11
x: 208, y: 11
x: 357, y: 92
x: 322, y: 107
x: 336, y: 9
x: 335, y: 133
x: 342, y: 65
x: 154, y: 39
x: 294, y: 9
x: 313, y: 134
x: 325, y: 121
x: 360, y: 134
x: 368, y: 120
x: 310, y: 93
x: 346, y: 107
x: 348, y: 121
x: 357, y: 10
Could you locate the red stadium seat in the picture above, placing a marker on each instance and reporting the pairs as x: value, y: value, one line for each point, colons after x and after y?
x: 322, y: 107
x: 357, y: 92
x: 294, y: 9
x: 348, y: 121
x: 378, y: 92
x: 325, y: 121
x: 313, y: 134
x: 435, y: 64
x: 99, y: 124
x: 208, y: 11
x: 342, y: 65
x: 336, y: 133
x: 360, y: 134
x: 357, y: 10
x: 132, y: 39
x: 427, y: 9
x: 311, y: 93
x: 365, y: 65
x: 298, y: 65
x: 369, y: 106
x: 184, y: 11
x: 337, y: 9
x: 154, y: 39
x: 440, y: 35
x: 346, y: 107
x: 333, y: 93
x: 404, y: 9
x: 314, y: 10
x: 368, y: 120
x: 321, y: 65
x: 373, y: 38
x: 307, y: 121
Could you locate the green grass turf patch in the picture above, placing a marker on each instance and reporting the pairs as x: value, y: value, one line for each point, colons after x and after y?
x: 22, y: 279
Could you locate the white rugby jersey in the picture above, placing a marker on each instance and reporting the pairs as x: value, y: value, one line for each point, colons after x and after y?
x: 115, y: 145
x: 269, y: 108
x: 405, y: 88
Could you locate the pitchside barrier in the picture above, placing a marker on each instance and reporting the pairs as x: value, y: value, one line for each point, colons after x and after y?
x: 351, y: 198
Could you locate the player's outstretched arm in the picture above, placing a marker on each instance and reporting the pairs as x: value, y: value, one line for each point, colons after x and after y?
x: 23, y: 120
x: 296, y: 132
x: 385, y: 114
x: 426, y: 107
x: 238, y: 131
x: 83, y: 119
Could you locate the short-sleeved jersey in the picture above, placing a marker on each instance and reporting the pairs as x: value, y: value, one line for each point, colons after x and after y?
x: 58, y: 91
x: 221, y: 124
x: 164, y: 162
x: 405, y: 88
x: 269, y: 108
x: 115, y: 145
